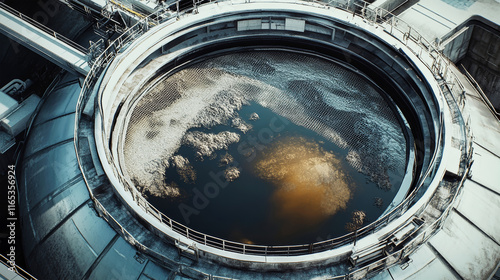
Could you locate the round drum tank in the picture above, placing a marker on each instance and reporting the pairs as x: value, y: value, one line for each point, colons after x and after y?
x: 240, y: 140
x: 247, y: 132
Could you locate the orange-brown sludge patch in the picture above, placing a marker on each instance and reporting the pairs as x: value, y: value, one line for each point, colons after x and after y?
x: 310, y: 183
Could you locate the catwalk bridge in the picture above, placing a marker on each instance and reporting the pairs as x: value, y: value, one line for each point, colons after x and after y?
x: 44, y: 41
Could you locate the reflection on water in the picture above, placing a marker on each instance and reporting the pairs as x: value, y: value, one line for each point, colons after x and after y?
x: 204, y: 147
x: 310, y: 183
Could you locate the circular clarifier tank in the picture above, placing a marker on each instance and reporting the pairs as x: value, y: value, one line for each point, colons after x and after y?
x: 244, y: 142
x: 270, y: 147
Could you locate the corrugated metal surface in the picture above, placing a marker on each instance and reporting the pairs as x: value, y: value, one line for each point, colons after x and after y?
x: 48, y: 171
x: 120, y: 262
x: 63, y: 236
x: 50, y: 133
x: 61, y: 101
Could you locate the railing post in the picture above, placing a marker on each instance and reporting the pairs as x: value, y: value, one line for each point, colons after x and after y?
x: 392, y: 24
x: 139, y: 199
x: 177, y: 8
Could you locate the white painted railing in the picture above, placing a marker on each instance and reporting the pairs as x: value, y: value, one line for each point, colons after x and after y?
x: 425, y: 51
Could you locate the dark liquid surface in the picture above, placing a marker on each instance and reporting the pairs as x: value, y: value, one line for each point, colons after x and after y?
x: 295, y: 181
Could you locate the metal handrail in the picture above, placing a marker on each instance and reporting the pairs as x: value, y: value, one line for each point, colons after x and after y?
x: 483, y: 96
x: 392, y: 25
x: 123, y: 7
x: 17, y: 269
x: 425, y: 234
x: 43, y: 28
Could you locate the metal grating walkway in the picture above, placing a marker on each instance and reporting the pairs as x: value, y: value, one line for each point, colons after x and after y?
x: 44, y: 41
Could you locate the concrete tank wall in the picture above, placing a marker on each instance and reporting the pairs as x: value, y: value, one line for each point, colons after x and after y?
x: 213, y: 31
x: 482, y: 60
x: 476, y: 46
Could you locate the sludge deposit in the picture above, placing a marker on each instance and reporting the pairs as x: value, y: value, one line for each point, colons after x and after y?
x: 316, y: 138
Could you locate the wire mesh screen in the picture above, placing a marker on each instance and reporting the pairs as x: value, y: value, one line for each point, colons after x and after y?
x: 312, y: 93
x: 305, y: 136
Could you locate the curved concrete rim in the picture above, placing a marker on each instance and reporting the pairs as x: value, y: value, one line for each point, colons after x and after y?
x: 159, y: 35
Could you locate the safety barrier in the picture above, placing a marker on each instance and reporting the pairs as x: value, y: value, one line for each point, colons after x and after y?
x: 425, y: 51
x: 16, y: 269
x: 43, y: 28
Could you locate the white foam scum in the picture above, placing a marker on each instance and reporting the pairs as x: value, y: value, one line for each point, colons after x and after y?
x: 310, y: 92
